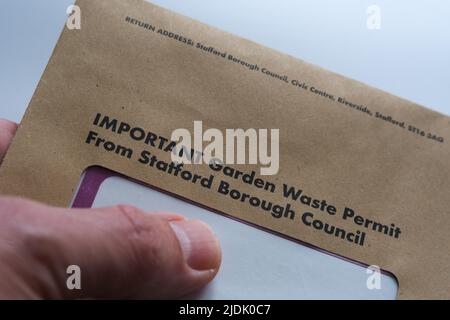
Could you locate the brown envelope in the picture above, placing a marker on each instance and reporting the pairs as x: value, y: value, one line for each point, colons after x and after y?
x: 383, y: 162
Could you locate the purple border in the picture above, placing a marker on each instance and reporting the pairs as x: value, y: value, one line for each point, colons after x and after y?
x: 92, y: 180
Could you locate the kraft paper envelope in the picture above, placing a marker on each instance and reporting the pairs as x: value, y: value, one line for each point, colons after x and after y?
x: 380, y: 161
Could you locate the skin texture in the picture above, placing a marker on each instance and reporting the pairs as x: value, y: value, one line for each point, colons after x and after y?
x: 122, y: 251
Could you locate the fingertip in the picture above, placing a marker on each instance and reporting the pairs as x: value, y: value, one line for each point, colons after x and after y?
x: 8, y: 126
x: 7, y: 131
x: 200, y: 246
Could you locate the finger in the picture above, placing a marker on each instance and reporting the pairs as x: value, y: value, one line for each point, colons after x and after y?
x: 121, y: 251
x: 7, y: 131
x: 167, y: 216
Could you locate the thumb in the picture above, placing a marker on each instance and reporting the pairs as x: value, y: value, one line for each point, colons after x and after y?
x: 122, y: 252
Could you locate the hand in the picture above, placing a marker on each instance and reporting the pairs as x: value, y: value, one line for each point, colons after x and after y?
x: 122, y: 251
